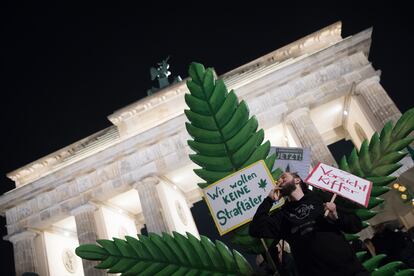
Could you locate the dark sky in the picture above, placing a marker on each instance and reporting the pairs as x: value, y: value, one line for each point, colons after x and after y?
x: 65, y: 68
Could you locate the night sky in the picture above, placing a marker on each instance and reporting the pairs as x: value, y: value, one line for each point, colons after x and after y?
x: 66, y: 68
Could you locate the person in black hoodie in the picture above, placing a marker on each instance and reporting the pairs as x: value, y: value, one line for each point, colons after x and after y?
x: 317, y: 243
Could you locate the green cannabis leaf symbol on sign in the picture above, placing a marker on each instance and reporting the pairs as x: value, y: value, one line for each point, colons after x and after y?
x: 262, y: 184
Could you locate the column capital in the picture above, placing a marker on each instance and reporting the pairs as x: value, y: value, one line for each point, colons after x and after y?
x: 135, y: 185
x: 149, y: 180
x: 24, y: 235
x: 152, y: 179
x: 369, y: 81
x: 303, y: 111
x: 89, y: 207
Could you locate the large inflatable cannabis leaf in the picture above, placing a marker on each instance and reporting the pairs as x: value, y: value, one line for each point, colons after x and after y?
x: 165, y: 255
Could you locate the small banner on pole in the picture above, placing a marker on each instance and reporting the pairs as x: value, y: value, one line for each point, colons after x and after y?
x: 296, y: 159
x: 233, y: 200
x: 340, y: 182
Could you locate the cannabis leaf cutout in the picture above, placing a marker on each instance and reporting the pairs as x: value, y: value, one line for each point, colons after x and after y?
x: 225, y: 137
x: 165, y: 254
x: 262, y: 184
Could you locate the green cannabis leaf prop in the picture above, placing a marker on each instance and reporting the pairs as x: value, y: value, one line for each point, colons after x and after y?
x: 392, y: 268
x: 165, y: 255
x: 375, y: 161
x: 225, y: 138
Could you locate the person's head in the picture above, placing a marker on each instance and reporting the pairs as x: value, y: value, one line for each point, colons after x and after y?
x: 289, y: 182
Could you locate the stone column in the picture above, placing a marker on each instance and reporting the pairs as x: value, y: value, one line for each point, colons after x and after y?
x: 383, y: 109
x: 379, y: 104
x: 309, y: 136
x: 25, y: 259
x: 151, y: 205
x: 87, y: 230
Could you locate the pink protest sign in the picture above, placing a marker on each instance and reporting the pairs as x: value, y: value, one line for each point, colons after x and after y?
x: 341, y: 183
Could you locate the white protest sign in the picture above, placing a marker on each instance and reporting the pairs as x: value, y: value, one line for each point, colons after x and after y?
x: 298, y: 159
x: 341, y: 183
x: 233, y: 200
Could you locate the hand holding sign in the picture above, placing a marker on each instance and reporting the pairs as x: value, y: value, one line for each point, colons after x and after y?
x: 330, y: 209
x: 341, y: 183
